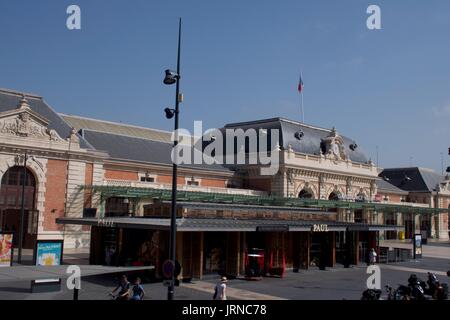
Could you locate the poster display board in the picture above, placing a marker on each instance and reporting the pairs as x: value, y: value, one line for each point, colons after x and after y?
x: 6, y: 249
x: 417, y: 241
x: 48, y: 252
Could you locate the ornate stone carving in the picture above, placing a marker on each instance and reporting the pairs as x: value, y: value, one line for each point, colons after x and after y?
x: 73, y: 136
x: 23, y: 122
x: 349, y: 184
x: 333, y: 146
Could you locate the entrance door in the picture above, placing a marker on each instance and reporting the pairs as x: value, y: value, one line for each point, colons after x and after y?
x: 341, y: 248
x: 215, y: 249
x: 363, y: 247
x: 321, y: 252
x: 11, y: 204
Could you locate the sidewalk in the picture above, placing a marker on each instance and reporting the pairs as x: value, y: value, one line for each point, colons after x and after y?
x: 232, y: 293
x: 431, y: 250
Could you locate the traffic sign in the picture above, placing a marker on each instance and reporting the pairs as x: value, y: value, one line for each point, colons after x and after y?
x: 168, y: 268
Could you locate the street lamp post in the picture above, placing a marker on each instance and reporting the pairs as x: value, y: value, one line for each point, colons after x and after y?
x: 171, y: 78
x: 22, y: 208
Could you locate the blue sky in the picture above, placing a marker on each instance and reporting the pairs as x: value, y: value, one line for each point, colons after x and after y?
x: 240, y: 61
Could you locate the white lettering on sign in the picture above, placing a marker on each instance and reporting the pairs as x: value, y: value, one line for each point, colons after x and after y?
x: 320, y: 228
x: 105, y: 222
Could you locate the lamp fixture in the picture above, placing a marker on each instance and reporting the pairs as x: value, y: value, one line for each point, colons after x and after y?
x: 171, y: 77
x: 169, y: 113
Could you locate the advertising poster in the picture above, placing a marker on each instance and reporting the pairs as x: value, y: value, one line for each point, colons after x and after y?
x: 417, y: 246
x: 6, y: 249
x: 49, y: 252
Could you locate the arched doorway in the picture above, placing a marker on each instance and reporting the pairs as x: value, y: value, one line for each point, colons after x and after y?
x: 11, y: 203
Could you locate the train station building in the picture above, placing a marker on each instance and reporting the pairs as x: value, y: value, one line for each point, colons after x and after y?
x: 107, y: 186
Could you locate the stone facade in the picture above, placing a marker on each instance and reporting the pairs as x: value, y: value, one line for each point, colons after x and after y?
x: 57, y: 165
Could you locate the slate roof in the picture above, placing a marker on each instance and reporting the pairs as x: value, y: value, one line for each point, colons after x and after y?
x: 310, y: 142
x: 123, y: 147
x: 9, y: 100
x: 116, y: 128
x: 386, y: 186
x: 414, y: 179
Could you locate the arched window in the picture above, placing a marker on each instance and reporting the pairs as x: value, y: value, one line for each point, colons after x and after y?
x: 335, y: 195
x: 361, y: 197
x: 11, y: 188
x: 11, y: 191
x: 14, y: 175
x: 306, y: 194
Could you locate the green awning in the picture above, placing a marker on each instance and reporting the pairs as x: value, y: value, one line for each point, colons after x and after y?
x: 211, y: 197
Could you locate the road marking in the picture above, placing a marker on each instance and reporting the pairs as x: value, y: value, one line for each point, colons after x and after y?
x: 234, y: 293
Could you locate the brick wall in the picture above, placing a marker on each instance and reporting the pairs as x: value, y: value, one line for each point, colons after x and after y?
x: 219, y: 183
x: 121, y: 175
x: 55, y: 193
x: 392, y: 197
x: 168, y: 179
x: 260, y: 184
x: 88, y: 181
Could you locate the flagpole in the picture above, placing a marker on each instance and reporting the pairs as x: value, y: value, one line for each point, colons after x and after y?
x: 303, y: 108
x: 301, y: 97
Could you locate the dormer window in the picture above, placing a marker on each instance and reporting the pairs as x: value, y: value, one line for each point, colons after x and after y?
x: 192, y: 182
x: 146, y: 177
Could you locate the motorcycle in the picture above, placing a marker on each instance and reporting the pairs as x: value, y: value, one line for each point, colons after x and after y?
x: 371, y: 294
x: 434, y: 288
x: 417, y: 290
x: 401, y: 293
x: 413, y: 291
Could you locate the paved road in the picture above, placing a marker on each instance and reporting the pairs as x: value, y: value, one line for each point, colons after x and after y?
x: 335, y: 284
x: 331, y: 284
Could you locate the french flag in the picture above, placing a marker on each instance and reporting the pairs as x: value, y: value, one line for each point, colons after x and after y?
x: 300, y: 83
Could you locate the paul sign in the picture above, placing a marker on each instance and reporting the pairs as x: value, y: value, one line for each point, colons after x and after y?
x: 320, y: 228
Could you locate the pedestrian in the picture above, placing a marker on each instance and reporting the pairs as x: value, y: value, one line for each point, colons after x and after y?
x: 123, y: 287
x: 137, y: 292
x: 372, y: 256
x: 220, y: 291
